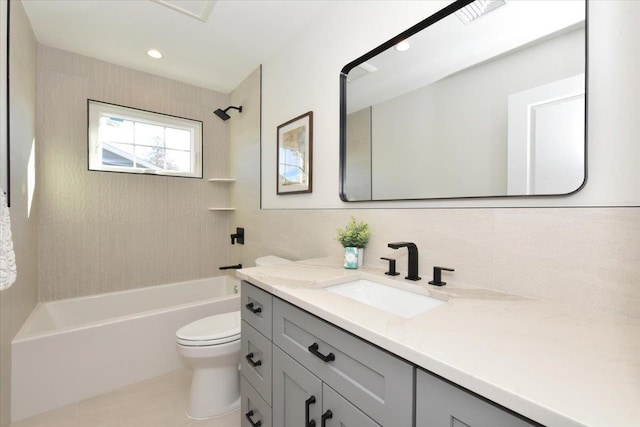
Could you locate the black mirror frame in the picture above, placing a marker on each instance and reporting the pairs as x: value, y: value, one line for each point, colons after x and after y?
x: 441, y: 14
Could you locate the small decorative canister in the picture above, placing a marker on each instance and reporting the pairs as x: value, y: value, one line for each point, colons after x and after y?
x: 353, y: 257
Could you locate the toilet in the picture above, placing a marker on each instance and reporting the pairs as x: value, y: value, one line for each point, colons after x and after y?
x: 211, y: 347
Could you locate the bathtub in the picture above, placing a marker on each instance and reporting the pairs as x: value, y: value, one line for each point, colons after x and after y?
x: 69, y: 350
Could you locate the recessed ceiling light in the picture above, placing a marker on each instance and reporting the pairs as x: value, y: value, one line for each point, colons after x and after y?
x: 154, y: 53
x: 402, y: 46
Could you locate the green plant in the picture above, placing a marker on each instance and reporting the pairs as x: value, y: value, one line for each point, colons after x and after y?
x: 355, y: 234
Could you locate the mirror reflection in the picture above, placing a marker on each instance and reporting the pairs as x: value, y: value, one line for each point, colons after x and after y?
x: 487, y: 101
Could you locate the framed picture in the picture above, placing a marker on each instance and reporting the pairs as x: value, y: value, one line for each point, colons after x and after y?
x: 295, y: 143
x: 4, y: 98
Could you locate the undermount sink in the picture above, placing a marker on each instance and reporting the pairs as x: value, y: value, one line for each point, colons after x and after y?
x: 393, y: 300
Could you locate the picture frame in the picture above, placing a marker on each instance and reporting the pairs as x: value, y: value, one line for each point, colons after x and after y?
x: 295, y: 155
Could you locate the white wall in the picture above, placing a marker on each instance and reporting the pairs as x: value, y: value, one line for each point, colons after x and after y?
x: 582, y: 256
x: 304, y: 76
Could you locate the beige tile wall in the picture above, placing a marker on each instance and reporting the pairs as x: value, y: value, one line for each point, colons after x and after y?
x: 581, y: 256
x: 102, y: 232
x: 17, y: 302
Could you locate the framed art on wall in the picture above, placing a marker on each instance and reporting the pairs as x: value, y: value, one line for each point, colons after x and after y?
x: 294, y: 156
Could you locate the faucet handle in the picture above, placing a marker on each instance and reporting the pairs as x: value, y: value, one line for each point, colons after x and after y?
x: 437, y: 276
x: 238, y: 236
x: 392, y: 267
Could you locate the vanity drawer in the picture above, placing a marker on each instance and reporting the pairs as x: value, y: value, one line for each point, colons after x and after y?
x: 256, y: 360
x: 379, y: 384
x: 253, y: 410
x: 257, y: 308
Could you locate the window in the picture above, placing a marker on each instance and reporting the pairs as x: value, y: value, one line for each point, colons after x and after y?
x: 123, y: 139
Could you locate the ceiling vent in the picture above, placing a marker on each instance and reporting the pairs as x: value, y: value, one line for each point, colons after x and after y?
x: 360, y: 70
x: 199, y: 9
x: 478, y: 9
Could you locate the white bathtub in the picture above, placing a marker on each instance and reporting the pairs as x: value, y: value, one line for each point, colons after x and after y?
x: 73, y: 349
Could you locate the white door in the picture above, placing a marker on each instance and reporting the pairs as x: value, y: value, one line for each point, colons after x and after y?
x: 546, y: 145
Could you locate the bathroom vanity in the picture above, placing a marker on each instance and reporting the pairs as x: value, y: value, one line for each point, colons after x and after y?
x: 316, y: 358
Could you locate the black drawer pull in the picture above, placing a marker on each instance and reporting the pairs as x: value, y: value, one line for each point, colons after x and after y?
x: 327, y: 415
x: 307, y: 403
x: 253, y: 310
x: 313, y: 348
x: 248, y: 415
x: 253, y: 363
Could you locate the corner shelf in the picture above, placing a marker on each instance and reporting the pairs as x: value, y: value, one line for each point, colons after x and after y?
x: 222, y: 180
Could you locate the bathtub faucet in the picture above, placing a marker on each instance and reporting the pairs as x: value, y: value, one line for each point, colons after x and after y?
x: 231, y: 267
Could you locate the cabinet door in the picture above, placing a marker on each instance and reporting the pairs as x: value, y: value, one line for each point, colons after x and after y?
x: 338, y: 412
x: 297, y: 393
x: 440, y: 404
x: 255, y: 411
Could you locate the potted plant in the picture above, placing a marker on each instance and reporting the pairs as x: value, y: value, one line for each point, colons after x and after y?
x: 353, y: 238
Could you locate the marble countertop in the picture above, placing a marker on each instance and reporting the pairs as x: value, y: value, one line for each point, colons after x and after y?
x: 556, y: 364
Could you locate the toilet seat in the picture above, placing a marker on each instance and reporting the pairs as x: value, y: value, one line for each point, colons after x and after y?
x: 209, y: 331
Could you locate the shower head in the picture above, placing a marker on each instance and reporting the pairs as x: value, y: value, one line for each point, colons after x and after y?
x: 223, y: 113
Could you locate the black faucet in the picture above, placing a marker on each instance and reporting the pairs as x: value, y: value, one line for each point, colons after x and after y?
x: 392, y: 267
x: 437, y: 276
x: 413, y: 258
x: 238, y: 236
x: 231, y: 267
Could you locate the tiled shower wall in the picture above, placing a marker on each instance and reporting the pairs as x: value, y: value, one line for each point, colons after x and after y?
x: 100, y: 231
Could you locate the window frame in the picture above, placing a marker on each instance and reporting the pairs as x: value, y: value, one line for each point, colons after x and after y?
x: 96, y: 109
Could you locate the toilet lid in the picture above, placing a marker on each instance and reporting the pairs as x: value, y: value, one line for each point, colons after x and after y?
x: 218, y: 329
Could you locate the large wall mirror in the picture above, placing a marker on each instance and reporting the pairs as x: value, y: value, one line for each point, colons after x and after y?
x: 485, y: 98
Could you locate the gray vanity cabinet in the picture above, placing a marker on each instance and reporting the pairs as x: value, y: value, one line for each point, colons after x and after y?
x: 376, y: 382
x: 301, y: 371
x: 441, y: 404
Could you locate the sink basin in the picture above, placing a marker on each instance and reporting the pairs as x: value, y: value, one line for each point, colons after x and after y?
x: 393, y: 300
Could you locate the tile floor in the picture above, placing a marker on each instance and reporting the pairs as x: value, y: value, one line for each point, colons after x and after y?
x: 158, y: 402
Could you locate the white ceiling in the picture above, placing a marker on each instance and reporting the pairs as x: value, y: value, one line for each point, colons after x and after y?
x: 217, y: 54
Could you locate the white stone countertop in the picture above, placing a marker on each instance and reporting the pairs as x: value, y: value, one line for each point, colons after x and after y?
x: 556, y: 364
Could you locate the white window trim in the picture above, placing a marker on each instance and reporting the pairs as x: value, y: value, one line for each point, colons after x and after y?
x: 96, y: 109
